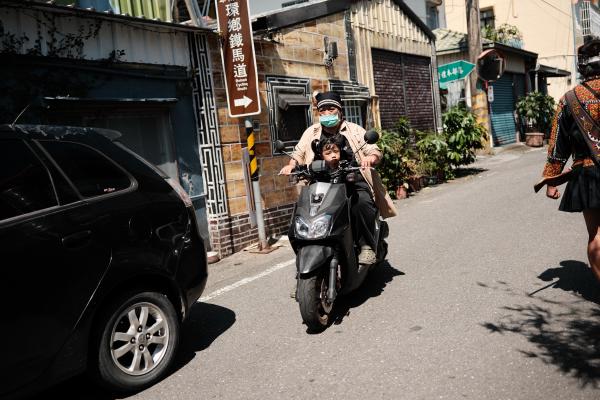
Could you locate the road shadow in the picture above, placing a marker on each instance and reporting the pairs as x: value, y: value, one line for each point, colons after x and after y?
x: 461, y: 172
x: 566, y: 334
x: 574, y: 276
x: 373, y: 286
x: 205, y: 323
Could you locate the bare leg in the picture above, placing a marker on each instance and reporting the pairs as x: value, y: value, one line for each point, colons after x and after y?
x: 592, y: 221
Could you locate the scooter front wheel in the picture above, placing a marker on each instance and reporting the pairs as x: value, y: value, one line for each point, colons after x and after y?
x: 312, y: 298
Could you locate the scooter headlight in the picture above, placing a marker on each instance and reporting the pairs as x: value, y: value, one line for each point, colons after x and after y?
x: 314, y: 229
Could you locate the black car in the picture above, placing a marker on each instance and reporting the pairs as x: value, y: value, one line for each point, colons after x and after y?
x: 100, y: 260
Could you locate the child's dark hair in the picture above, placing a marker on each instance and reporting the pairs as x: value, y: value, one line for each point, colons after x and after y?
x: 329, y: 142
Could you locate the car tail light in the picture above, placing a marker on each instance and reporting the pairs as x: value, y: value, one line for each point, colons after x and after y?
x: 180, y: 191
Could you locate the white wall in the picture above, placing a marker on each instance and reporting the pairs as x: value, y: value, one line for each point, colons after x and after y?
x: 419, y: 8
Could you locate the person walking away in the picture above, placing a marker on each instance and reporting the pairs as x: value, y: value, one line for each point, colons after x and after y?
x: 576, y: 133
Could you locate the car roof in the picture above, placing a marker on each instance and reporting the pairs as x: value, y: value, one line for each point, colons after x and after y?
x: 26, y: 131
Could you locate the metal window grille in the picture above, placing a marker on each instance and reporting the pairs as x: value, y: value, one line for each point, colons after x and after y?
x: 585, y: 18
x: 590, y: 19
x: 487, y: 18
x: 353, y: 111
x: 287, y: 125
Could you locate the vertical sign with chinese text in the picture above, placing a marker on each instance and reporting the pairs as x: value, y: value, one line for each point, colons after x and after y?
x: 237, y: 53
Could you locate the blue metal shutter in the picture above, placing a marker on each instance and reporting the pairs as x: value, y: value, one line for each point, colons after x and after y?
x: 503, y: 121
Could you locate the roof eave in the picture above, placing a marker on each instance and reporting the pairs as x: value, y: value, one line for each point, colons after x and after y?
x: 297, y: 15
x: 88, y: 13
x: 510, y: 49
x: 285, y: 18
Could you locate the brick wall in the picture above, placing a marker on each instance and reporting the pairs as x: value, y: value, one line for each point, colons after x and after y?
x: 233, y: 233
x: 389, y: 86
x: 295, y: 52
x: 403, y: 84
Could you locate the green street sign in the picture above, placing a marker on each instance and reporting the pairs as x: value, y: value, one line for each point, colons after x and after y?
x: 454, y: 71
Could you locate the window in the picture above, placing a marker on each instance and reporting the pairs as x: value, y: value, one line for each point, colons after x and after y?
x: 148, y: 133
x: 356, y: 100
x: 355, y: 110
x: 486, y: 18
x: 25, y: 183
x: 433, y: 20
x: 91, y: 172
x: 146, y: 130
x: 291, y: 119
x: 289, y: 108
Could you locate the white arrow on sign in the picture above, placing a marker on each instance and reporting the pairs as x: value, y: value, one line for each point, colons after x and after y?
x: 243, y: 102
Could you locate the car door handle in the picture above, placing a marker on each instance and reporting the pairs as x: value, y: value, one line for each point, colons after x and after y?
x: 77, y: 239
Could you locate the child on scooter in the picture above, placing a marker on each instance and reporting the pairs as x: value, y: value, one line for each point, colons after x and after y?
x: 331, y: 150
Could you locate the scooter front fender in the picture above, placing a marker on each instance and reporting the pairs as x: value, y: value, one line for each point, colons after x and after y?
x: 312, y: 257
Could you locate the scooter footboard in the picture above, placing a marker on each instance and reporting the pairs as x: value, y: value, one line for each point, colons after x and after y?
x: 312, y: 257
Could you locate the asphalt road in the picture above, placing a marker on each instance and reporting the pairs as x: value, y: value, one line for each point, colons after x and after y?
x: 487, y: 295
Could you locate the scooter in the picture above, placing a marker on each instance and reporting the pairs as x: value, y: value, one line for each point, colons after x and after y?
x: 321, y: 236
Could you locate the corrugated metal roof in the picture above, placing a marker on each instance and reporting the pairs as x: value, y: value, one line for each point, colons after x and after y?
x: 125, y: 39
x: 106, y: 15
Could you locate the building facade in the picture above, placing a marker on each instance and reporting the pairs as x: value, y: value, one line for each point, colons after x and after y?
x: 378, y: 55
x: 146, y: 78
x: 550, y: 28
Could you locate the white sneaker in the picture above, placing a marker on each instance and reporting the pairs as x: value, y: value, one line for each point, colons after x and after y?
x: 367, y: 255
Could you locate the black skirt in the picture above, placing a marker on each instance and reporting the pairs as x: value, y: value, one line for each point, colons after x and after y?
x: 582, y: 191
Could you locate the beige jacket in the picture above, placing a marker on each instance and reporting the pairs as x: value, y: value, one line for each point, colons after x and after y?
x: 354, y: 133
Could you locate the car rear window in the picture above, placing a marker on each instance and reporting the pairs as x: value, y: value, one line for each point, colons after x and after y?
x: 25, y: 183
x: 91, y: 172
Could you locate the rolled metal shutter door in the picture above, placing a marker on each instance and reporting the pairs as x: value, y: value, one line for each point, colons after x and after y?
x: 503, y: 121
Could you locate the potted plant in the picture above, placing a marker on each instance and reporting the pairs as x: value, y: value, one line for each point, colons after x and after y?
x: 536, y: 109
x: 398, y: 159
x: 433, y: 155
x: 394, y: 168
x: 464, y: 136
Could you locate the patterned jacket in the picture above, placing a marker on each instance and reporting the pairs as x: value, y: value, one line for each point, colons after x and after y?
x: 565, y: 138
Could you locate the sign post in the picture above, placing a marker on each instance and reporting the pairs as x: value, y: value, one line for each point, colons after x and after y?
x: 241, y: 85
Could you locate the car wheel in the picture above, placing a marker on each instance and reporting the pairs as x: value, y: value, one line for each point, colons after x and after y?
x: 137, y: 341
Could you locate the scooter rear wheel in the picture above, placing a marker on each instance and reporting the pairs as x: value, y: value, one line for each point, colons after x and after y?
x: 312, y: 299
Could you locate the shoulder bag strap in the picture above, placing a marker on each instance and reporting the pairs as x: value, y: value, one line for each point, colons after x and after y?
x: 586, y: 124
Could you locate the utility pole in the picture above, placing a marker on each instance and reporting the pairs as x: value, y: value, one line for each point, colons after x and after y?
x: 479, y: 100
x: 474, y: 40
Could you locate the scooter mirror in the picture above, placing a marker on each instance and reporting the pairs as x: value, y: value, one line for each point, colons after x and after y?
x: 371, y: 136
x: 279, y: 146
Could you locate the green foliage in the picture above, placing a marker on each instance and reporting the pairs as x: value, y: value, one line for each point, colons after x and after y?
x: 398, y: 162
x: 396, y: 165
x: 402, y: 129
x: 408, y: 154
x: 433, y: 152
x: 463, y: 135
x: 506, y: 34
x: 537, y: 109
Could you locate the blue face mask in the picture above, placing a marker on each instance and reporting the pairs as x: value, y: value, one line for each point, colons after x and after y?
x: 329, y: 121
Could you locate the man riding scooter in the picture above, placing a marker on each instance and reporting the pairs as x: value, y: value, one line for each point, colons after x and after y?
x: 369, y: 195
